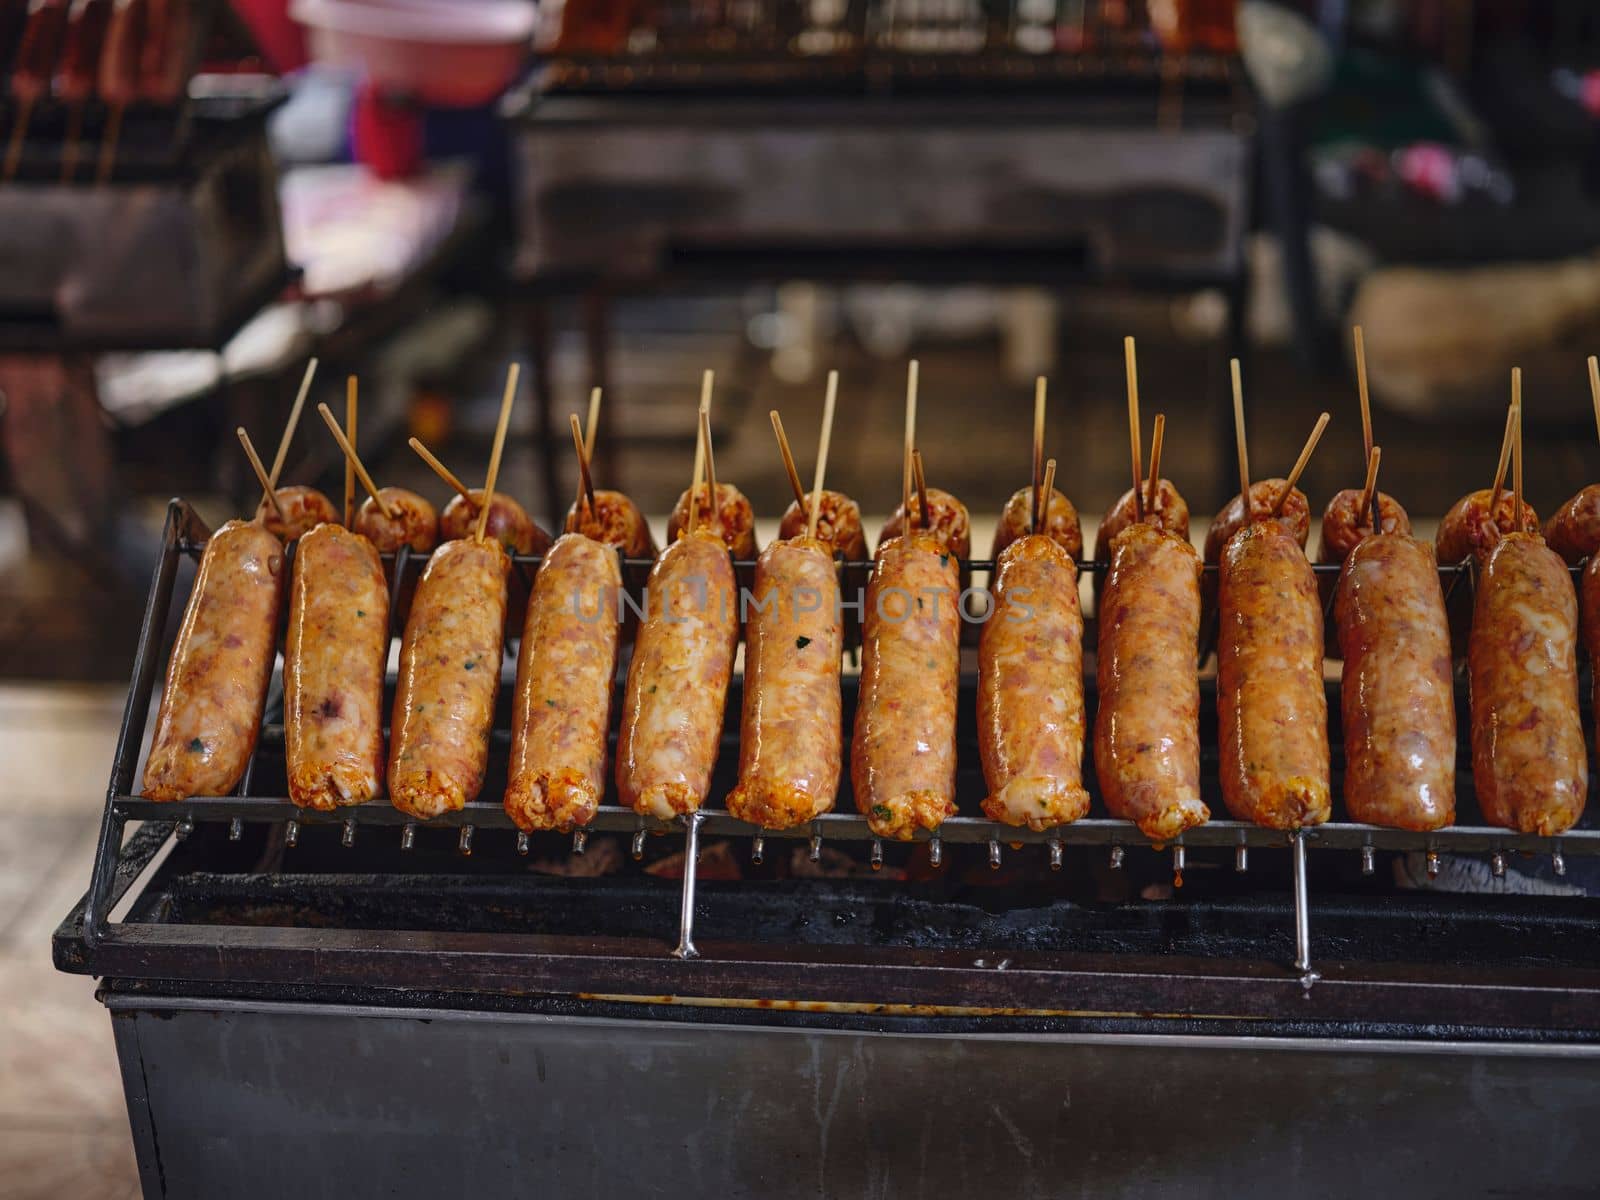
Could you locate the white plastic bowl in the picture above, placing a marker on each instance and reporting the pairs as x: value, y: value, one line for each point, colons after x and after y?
x: 444, y: 53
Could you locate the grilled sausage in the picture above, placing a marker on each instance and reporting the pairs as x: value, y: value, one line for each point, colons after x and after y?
x: 1529, y: 765
x: 565, y: 672
x: 733, y: 519
x: 1295, y: 517
x: 509, y: 523
x: 903, y: 752
x: 838, y: 525
x: 1030, y: 689
x: 1573, y: 530
x: 118, y: 80
x: 614, y: 521
x: 1272, y: 710
x: 80, y: 52
x: 947, y: 521
x: 39, y: 50
x: 304, y: 508
x: 678, y: 679
x: 164, y: 54
x: 790, y: 731
x: 1343, y: 529
x: 449, y: 673
x: 1169, y: 514
x: 1468, y: 531
x: 1147, y: 727
x: 415, y: 522
x: 220, y: 667
x: 1061, y: 523
x: 333, y: 664
x: 1397, y: 696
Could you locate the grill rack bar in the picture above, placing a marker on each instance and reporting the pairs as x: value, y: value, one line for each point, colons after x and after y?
x: 185, y: 535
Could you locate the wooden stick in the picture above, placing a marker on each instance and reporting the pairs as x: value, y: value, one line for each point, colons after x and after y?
x: 1238, y: 436
x: 354, y: 462
x: 822, y: 453
x: 1505, y: 457
x: 585, y: 483
x: 1516, y: 450
x: 442, y: 471
x: 706, y: 381
x: 261, y: 471
x: 700, y: 428
x: 922, y: 488
x: 1039, y: 501
x: 108, y: 145
x: 1369, y: 491
x: 587, y: 456
x: 788, y: 459
x: 1300, y: 463
x: 714, y: 507
x: 1366, y: 399
x: 1133, y: 426
x: 293, y: 423
x: 19, y: 134
x: 1594, y: 389
x: 1156, y: 440
x: 506, y: 401
x: 910, y: 442
x: 1049, y: 481
x: 349, y: 462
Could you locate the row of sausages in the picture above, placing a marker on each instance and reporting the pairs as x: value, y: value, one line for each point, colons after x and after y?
x: 1528, y: 752
x: 120, y: 51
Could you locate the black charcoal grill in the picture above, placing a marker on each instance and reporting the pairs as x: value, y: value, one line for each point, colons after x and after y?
x: 357, y: 1003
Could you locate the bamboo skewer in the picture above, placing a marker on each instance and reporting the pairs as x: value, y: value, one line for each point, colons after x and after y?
x: 108, y: 144
x: 1300, y: 463
x: 1238, y: 436
x: 442, y: 471
x: 293, y: 423
x: 585, y: 483
x: 349, y: 462
x: 1133, y: 426
x: 588, y: 447
x: 1049, y: 477
x: 353, y: 462
x: 1156, y: 439
x: 1361, y: 388
x: 714, y: 508
x: 1505, y: 454
x: 1516, y: 452
x: 822, y: 453
x: 922, y: 488
x: 1368, y: 503
x: 788, y: 459
x: 499, y: 446
x: 261, y: 471
x: 699, y: 469
x: 1040, y: 493
x: 910, y: 441
x: 1594, y: 390
x: 706, y: 381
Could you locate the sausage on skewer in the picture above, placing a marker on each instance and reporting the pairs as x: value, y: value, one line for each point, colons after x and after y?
x: 903, y: 752
x: 615, y: 521
x: 1147, y: 726
x: 1469, y: 531
x: 1030, y: 689
x: 412, y: 521
x: 221, y: 664
x: 732, y: 519
x: 790, y: 739
x: 1272, y: 709
x: 1167, y: 513
x: 1061, y: 523
x: 1573, y: 530
x: 333, y: 665
x: 509, y: 523
x: 1529, y: 765
x: 565, y: 672
x: 449, y: 674
x: 947, y: 521
x: 1396, y: 695
x: 303, y: 509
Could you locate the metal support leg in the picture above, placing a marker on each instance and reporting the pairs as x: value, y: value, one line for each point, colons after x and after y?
x: 691, y: 863
x: 1302, y: 912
